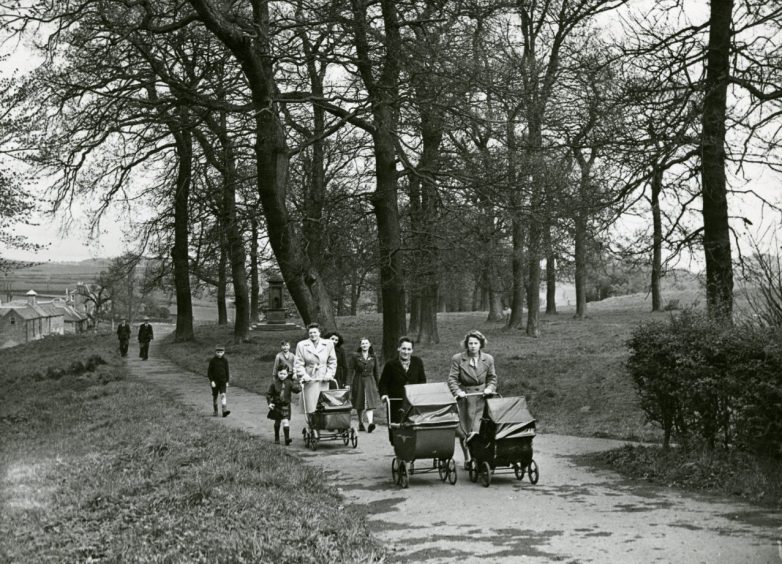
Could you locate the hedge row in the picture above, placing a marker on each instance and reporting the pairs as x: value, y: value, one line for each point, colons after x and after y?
x: 710, y: 383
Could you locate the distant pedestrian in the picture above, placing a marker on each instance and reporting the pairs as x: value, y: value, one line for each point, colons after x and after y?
x: 219, y: 376
x: 123, y: 334
x: 341, y: 374
x: 279, y: 399
x: 283, y: 358
x: 145, y: 335
x: 363, y: 378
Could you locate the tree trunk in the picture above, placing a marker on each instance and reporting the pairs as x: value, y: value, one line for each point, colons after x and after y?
x: 581, y: 263
x: 235, y: 241
x: 581, y: 223
x: 551, y: 284
x: 517, y: 268
x: 222, y: 283
x: 716, y: 230
x: 414, y: 326
x: 184, y: 304
x: 255, y: 284
x: 657, y: 238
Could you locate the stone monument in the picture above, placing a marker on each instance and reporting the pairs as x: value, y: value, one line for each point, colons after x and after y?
x: 276, y: 314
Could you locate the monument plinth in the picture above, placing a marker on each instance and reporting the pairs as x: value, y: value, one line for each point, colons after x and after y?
x: 276, y: 314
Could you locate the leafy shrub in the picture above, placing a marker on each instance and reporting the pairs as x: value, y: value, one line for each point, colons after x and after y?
x: 708, y: 382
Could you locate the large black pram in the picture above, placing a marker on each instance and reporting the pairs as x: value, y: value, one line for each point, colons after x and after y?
x: 427, y: 429
x: 331, y: 419
x: 505, y: 439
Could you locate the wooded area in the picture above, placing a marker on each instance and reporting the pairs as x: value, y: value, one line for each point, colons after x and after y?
x: 417, y: 156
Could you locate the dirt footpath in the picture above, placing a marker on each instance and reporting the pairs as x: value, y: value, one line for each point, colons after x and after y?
x: 574, y: 514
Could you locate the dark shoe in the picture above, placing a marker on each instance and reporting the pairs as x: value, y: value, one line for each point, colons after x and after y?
x: 371, y: 428
x: 226, y: 412
x: 361, y: 427
x: 276, y: 441
x: 288, y: 442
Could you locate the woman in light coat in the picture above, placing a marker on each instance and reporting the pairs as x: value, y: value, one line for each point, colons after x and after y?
x: 472, y: 373
x: 314, y: 363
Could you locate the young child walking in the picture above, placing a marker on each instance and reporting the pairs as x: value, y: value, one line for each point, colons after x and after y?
x: 219, y: 376
x: 279, y: 400
x: 283, y: 358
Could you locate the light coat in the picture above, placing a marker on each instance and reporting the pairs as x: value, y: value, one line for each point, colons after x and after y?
x: 319, y: 362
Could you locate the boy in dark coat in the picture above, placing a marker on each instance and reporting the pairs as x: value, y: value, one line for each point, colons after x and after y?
x: 219, y: 376
x: 279, y: 398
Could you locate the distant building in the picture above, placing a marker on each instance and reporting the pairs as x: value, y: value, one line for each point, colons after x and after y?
x: 22, y: 322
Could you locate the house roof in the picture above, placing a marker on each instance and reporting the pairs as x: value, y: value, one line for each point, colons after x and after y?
x: 25, y: 312
x: 29, y: 311
x: 69, y: 313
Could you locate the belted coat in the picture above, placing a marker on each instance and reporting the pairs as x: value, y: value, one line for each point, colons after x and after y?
x: 318, y: 361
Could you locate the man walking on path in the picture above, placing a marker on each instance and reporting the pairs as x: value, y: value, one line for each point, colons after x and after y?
x: 145, y: 335
x: 123, y: 334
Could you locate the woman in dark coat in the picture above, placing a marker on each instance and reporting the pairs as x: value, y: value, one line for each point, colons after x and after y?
x: 405, y: 369
x: 341, y: 375
x: 363, y: 388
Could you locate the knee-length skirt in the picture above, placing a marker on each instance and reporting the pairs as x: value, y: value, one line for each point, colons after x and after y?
x: 364, y: 393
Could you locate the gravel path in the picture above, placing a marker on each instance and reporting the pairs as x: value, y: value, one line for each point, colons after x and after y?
x: 574, y: 514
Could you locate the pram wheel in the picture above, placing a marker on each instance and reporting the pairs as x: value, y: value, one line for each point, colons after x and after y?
x: 442, y: 469
x: 404, y: 478
x: 451, y: 471
x: 532, y: 472
x: 346, y: 438
x: 472, y: 471
x: 314, y: 441
x: 306, y: 435
x: 519, y: 470
x: 395, y: 470
x: 485, y: 474
x: 353, y: 438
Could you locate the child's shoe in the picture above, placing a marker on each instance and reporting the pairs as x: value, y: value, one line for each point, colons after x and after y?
x: 276, y: 441
x: 226, y: 412
x: 288, y: 441
x: 371, y: 428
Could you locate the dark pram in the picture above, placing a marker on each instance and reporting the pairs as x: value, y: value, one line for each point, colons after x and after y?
x: 427, y: 430
x: 331, y: 419
x: 505, y: 439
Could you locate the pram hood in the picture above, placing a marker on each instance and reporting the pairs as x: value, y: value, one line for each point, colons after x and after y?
x: 510, y: 416
x: 429, y: 404
x: 334, y: 400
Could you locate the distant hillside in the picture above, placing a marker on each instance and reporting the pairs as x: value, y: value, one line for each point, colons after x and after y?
x: 52, y: 277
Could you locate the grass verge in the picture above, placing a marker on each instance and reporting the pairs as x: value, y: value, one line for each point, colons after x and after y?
x: 98, y: 466
x: 725, y: 472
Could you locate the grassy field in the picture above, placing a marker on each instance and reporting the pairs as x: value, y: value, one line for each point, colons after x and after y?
x: 97, y: 466
x: 572, y: 375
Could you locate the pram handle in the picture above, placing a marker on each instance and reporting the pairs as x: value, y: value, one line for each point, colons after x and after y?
x: 479, y: 394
